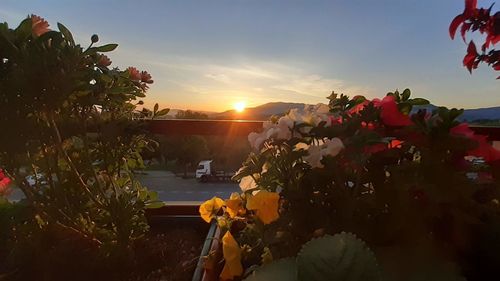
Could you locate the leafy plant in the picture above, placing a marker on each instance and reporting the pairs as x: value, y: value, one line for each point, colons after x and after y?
x: 72, y: 146
x: 338, y: 257
x: 386, y: 169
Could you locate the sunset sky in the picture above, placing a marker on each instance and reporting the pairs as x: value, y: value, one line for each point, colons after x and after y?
x: 209, y: 55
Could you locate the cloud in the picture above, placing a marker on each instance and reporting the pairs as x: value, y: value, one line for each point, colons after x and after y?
x: 223, y: 78
x: 213, y: 83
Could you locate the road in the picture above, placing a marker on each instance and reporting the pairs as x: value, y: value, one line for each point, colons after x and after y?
x: 173, y: 189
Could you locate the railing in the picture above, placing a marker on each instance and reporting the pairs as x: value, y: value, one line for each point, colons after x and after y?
x: 235, y: 128
x: 245, y: 127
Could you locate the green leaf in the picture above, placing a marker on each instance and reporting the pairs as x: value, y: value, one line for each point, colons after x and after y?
x: 24, y: 28
x: 419, y: 101
x: 163, y: 112
x: 155, y: 109
x: 106, y: 48
x: 155, y: 205
x: 66, y: 33
x: 279, y: 270
x: 404, y: 107
x: 339, y: 257
x: 405, y: 95
x: 153, y: 195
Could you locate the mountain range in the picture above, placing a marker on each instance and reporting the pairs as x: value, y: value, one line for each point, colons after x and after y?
x: 264, y: 111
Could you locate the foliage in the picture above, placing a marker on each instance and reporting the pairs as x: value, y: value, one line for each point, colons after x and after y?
x: 395, y: 176
x: 479, y: 19
x: 147, y: 113
x: 72, y: 145
x: 338, y: 257
x: 190, y: 114
x: 188, y: 151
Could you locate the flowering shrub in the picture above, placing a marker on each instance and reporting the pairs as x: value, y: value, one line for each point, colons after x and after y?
x: 68, y: 141
x: 479, y: 19
x: 388, y: 170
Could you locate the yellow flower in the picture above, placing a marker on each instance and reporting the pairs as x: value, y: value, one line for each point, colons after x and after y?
x: 210, y: 208
x: 232, y: 255
x: 265, y: 204
x: 234, y: 205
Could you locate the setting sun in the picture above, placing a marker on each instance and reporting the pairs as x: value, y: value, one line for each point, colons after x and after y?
x: 239, y: 106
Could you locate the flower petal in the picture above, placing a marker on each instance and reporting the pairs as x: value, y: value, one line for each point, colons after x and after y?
x: 265, y: 204
x: 232, y: 257
x: 210, y: 208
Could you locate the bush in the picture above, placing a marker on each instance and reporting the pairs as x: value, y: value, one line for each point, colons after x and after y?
x: 72, y: 145
x: 393, y: 174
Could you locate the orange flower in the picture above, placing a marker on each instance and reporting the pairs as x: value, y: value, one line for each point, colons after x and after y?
x: 210, y: 208
x: 265, y: 204
x: 134, y: 74
x: 232, y: 256
x: 103, y: 61
x: 234, y: 205
x: 38, y: 25
x: 146, y: 77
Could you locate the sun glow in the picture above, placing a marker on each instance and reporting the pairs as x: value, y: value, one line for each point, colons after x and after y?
x: 240, y: 106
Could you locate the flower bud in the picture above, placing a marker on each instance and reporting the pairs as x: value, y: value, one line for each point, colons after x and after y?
x: 94, y: 38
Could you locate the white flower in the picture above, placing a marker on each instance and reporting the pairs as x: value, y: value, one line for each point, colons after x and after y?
x: 333, y: 147
x: 314, y: 157
x: 317, y: 151
x: 247, y: 183
x: 256, y: 139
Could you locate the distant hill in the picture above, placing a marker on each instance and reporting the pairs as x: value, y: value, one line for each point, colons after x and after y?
x: 490, y: 113
x: 473, y: 115
x: 263, y: 112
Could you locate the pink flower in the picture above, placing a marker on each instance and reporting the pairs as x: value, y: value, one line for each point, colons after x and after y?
x: 103, y: 61
x: 390, y: 114
x: 38, y: 25
x: 146, y: 77
x: 134, y: 74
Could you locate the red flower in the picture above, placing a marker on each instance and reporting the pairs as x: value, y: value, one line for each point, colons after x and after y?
x: 103, y: 61
x: 134, y: 74
x: 359, y: 107
x: 38, y: 25
x: 368, y: 125
x: 374, y: 148
x: 470, y: 58
x: 146, y: 77
x: 390, y: 114
x: 484, y: 149
x: 4, y: 184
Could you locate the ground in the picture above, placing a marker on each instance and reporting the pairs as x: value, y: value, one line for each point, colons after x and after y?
x: 174, y: 189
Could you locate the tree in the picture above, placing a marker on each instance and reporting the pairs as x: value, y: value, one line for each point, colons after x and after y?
x: 187, y: 150
x: 189, y: 114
